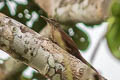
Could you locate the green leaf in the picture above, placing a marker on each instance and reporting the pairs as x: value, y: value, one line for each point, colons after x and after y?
x: 80, y: 37
x: 116, y: 8
x: 113, y: 37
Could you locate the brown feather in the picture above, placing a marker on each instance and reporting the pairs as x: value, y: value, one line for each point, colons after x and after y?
x: 71, y: 46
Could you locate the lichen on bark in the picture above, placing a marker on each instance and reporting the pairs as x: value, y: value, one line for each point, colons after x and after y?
x: 40, y: 52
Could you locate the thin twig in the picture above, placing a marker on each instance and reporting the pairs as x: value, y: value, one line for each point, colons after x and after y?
x: 96, y: 49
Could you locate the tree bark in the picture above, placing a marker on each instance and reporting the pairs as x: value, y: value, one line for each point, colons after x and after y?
x: 42, y: 54
x: 74, y: 11
x: 11, y: 69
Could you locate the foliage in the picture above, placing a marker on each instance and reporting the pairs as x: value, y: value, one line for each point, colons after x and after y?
x: 113, y: 34
x: 115, y: 9
x: 79, y: 36
x: 113, y: 38
x: 24, y: 11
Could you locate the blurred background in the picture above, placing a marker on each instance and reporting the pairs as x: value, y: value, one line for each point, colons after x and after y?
x: 96, y: 44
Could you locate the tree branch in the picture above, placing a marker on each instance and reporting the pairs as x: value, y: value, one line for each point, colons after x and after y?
x: 97, y: 47
x: 74, y: 11
x: 12, y: 69
x: 42, y: 54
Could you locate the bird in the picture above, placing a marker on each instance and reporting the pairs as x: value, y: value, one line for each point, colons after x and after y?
x: 58, y: 36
